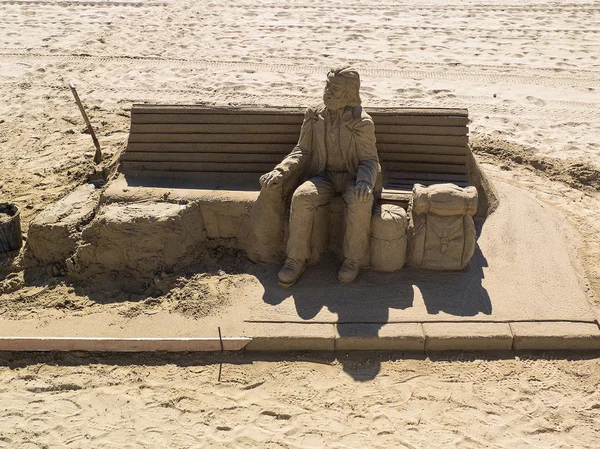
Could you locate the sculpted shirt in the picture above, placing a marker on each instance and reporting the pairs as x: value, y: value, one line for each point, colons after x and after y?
x: 335, y: 158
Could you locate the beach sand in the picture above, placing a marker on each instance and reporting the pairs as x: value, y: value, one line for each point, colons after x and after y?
x: 529, y: 73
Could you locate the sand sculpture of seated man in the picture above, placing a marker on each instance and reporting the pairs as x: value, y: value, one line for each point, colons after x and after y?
x: 336, y: 153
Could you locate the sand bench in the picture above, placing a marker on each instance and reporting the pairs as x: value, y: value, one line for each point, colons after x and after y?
x: 229, y: 148
x: 212, y: 158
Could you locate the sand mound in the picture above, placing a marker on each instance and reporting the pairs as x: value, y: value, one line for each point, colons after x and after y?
x: 575, y: 172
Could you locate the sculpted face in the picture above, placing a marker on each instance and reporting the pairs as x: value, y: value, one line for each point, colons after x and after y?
x: 334, y: 95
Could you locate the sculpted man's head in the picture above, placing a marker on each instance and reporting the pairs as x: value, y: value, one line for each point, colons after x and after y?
x: 342, y: 88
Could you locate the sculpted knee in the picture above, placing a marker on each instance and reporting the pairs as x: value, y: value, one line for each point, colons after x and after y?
x: 304, y: 194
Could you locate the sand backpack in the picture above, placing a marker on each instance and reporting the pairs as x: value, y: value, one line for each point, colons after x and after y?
x: 388, y: 237
x: 442, y: 232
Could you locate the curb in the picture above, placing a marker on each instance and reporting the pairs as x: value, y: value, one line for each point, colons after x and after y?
x: 403, y: 337
x: 122, y: 344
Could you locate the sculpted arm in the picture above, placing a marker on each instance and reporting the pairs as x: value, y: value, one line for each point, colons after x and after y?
x: 293, y: 162
x: 368, y: 167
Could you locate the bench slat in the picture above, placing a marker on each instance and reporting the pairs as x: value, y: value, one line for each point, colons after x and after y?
x: 249, y: 167
x: 396, y: 195
x: 277, y: 128
x: 218, y: 119
x: 422, y: 140
x: 275, y: 158
x: 290, y: 139
x: 234, y: 167
x: 212, y: 128
x: 281, y: 148
x: 422, y: 130
x: 391, y: 178
x: 401, y: 167
x: 201, y: 157
x: 251, y: 148
x: 428, y: 120
x: 379, y: 120
x: 420, y: 157
x: 384, y: 148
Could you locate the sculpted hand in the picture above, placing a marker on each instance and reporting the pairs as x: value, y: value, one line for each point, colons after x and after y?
x: 363, y: 191
x: 271, y: 180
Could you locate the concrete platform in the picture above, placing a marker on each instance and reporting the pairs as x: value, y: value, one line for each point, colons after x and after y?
x: 524, y: 290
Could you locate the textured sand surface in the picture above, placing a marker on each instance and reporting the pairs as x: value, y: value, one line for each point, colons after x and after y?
x: 455, y: 402
x: 528, y: 72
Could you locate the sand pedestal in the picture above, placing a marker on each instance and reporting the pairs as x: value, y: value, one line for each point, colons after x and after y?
x: 134, y: 241
x: 54, y: 233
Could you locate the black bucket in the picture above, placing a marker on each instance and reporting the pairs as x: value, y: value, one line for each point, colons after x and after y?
x: 11, y: 238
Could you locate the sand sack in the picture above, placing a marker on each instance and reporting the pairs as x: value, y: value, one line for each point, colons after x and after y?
x: 388, y: 237
x: 444, y: 199
x: 443, y: 235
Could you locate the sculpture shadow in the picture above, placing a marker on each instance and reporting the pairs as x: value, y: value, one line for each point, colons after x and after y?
x: 363, y: 307
x: 369, y: 299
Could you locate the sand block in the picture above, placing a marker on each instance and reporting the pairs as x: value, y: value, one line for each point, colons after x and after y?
x: 131, y: 189
x: 556, y: 335
x: 225, y: 214
x: 467, y: 336
x: 54, y: 232
x: 135, y: 241
x: 377, y: 337
x: 291, y: 337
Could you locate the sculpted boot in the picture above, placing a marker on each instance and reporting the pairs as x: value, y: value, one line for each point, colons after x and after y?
x: 290, y: 272
x: 349, y: 270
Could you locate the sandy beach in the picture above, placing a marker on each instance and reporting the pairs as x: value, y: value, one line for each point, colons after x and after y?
x: 529, y: 74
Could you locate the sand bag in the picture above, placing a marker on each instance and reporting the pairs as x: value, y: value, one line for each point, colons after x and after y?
x: 444, y: 199
x: 443, y: 233
x: 388, y: 237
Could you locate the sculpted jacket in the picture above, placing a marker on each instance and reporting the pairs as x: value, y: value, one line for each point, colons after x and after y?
x: 357, y: 141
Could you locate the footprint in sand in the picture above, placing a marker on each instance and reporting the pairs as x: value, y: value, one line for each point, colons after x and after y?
x: 536, y: 101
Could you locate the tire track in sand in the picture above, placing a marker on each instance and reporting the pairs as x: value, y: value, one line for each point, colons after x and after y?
x: 512, y: 8
x: 451, y: 72
x: 558, y: 109
x: 70, y: 3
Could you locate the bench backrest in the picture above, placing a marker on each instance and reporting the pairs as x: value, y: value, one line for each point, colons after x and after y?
x: 414, y: 145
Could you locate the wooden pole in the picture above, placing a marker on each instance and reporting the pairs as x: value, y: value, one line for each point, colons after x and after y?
x: 221, y: 363
x: 98, y: 156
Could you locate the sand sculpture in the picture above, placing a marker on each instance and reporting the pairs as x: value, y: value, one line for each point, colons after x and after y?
x: 190, y: 174
x: 337, y: 152
x: 442, y: 230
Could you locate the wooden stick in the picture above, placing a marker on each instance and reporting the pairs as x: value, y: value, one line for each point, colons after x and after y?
x: 220, y: 338
x: 98, y: 156
x: 220, y: 364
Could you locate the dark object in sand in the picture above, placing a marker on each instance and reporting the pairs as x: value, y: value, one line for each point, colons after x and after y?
x: 10, y: 228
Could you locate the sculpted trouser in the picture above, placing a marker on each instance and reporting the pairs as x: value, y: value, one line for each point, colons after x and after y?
x: 317, y: 192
